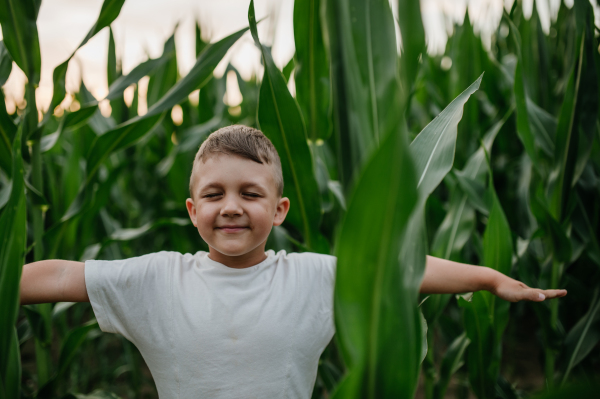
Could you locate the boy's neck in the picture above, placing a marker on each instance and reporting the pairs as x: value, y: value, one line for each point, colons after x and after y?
x: 249, y: 259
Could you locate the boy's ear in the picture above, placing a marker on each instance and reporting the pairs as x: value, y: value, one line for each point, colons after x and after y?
x: 283, y: 206
x: 191, y: 208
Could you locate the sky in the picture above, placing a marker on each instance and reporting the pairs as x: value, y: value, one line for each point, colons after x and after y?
x: 144, y: 25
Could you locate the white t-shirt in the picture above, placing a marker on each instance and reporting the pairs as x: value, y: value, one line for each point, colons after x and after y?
x: 210, y: 331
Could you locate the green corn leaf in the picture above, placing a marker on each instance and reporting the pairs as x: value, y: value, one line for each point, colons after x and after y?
x: 13, y: 238
x: 452, y: 361
x: 92, y: 251
x: 576, y: 124
x: 543, y: 125
x: 413, y: 42
x: 108, y: 13
x: 533, y: 126
x: 456, y: 227
x: 583, y: 389
x: 72, y: 120
x: 71, y: 345
x: 482, y: 353
x: 20, y: 35
x: 117, y: 88
x: 367, y: 99
x: 523, y: 125
x: 69, y: 349
x: 201, y: 72
x: 280, y: 120
x: 192, y: 139
x: 5, y: 63
x: 497, y: 254
x: 378, y: 324
x: 112, y: 69
x: 164, y: 76
x: 485, y: 317
x: 117, y: 139
x: 10, y: 383
x: 433, y: 149
x: 7, y: 126
x: 312, y: 69
x: 561, y: 245
x: 475, y: 192
x: 289, y: 68
x: 583, y: 337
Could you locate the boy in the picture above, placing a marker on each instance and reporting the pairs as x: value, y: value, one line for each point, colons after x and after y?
x: 236, y: 322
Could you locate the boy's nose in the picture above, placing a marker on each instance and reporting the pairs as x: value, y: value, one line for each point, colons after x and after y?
x: 231, y: 207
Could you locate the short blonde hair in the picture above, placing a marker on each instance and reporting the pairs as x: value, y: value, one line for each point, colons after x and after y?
x: 245, y: 142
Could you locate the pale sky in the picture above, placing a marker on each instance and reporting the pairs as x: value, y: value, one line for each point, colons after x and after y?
x: 144, y: 25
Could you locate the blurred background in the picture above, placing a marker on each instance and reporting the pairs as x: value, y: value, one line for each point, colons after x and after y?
x: 144, y: 25
x: 102, y: 144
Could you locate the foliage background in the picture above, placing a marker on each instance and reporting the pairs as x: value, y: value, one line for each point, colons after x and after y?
x: 520, y: 193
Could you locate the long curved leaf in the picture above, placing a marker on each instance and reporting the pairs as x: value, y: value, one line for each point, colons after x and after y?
x: 433, y: 148
x: 377, y: 320
x: 20, y: 35
x: 312, y: 69
x: 362, y: 41
x: 413, y: 42
x: 117, y: 88
x: 201, y: 72
x: 7, y: 126
x: 280, y: 120
x: 452, y: 361
x: 583, y: 337
x: 69, y: 121
x: 486, y: 317
x: 108, y: 13
x: 13, y: 238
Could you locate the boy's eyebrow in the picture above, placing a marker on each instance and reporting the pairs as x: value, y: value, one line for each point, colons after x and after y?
x: 219, y: 185
x: 211, y: 185
x: 252, y: 184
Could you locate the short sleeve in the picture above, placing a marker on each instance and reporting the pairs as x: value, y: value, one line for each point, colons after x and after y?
x: 128, y: 294
x: 328, y: 281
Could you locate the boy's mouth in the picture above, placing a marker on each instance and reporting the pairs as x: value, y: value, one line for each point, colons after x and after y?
x: 232, y: 228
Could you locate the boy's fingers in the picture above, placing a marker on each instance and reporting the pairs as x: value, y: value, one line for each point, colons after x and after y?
x: 538, y: 295
x: 535, y: 295
x: 554, y: 293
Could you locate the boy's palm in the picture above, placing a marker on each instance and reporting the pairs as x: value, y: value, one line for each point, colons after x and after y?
x: 515, y: 291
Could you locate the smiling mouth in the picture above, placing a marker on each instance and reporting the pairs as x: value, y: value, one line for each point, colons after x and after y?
x: 232, y: 229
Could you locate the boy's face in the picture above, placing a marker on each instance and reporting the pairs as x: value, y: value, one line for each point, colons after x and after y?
x: 235, y: 205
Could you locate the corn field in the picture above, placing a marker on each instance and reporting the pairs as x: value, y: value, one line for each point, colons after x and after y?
x: 487, y: 156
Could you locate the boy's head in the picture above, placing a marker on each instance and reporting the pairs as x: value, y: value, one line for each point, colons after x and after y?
x: 236, y: 190
x: 243, y: 141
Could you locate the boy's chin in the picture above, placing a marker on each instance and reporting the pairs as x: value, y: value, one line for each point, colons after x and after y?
x: 232, y: 251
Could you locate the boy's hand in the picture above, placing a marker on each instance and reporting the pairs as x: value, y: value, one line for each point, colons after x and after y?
x: 515, y: 291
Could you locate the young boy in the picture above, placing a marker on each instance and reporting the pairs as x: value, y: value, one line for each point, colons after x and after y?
x: 234, y: 322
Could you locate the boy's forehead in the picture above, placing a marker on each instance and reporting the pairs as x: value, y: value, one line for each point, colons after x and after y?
x: 225, y: 167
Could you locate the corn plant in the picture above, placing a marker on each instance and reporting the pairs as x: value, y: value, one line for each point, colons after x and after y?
x: 386, y: 156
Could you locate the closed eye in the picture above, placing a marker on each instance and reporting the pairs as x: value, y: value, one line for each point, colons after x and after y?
x: 211, y: 195
x: 252, y: 195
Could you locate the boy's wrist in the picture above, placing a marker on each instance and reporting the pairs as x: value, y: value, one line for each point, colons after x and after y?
x: 492, y: 279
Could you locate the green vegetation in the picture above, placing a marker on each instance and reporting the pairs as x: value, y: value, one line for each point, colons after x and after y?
x: 379, y: 171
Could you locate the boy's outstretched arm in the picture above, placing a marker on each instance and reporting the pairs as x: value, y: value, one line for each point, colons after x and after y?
x: 447, y: 277
x: 49, y: 281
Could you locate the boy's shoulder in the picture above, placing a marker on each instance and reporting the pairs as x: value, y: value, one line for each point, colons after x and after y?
x: 305, y: 257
